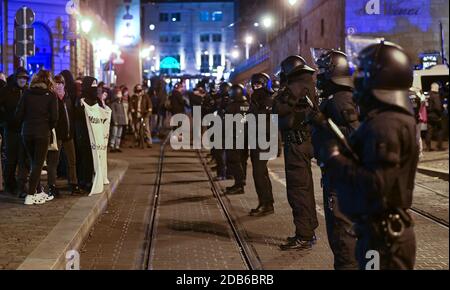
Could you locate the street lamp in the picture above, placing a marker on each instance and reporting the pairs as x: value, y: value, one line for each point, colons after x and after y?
x: 86, y: 25
x: 292, y: 2
x: 248, y: 41
x: 267, y: 21
x: 235, y: 54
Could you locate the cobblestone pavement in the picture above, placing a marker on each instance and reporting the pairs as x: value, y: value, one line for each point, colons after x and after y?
x: 436, y: 159
x: 431, y: 195
x: 192, y: 233
x: 23, y: 227
x: 118, y: 237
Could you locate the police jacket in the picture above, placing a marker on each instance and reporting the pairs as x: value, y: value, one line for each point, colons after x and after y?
x: 37, y: 111
x: 292, y: 117
x: 9, y: 99
x: 340, y: 108
x: 262, y: 104
x: 384, y: 176
x: 239, y: 108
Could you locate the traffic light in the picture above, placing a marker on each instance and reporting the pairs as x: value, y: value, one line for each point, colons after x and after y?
x: 24, y: 34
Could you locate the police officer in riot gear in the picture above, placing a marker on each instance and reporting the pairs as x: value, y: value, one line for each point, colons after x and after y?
x: 375, y: 187
x: 292, y: 108
x: 221, y: 101
x: 261, y: 103
x: 336, y: 87
x: 237, y: 157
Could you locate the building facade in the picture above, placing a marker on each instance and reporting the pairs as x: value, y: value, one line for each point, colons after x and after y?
x: 350, y: 25
x: 188, y: 38
x: 64, y: 38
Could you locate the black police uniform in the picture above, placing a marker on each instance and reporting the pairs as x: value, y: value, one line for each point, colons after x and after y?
x: 219, y: 154
x: 338, y: 105
x: 376, y: 190
x: 262, y: 103
x: 237, y: 158
x: 298, y: 152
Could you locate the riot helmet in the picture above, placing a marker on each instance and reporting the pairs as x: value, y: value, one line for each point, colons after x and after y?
x: 293, y: 66
x: 237, y: 93
x: 384, y: 72
x: 260, y: 81
x: 333, y: 68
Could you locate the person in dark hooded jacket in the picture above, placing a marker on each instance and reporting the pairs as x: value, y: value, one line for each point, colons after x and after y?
x: 85, y: 162
x: 14, y: 149
x: 37, y: 114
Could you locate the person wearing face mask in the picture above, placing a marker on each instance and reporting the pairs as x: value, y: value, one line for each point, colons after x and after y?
x: 118, y: 121
x: 85, y: 162
x: 141, y: 107
x: 37, y: 114
x: 335, y: 83
x: 261, y: 104
x: 65, y: 135
x: 375, y: 182
x: 291, y: 106
x: 15, y: 151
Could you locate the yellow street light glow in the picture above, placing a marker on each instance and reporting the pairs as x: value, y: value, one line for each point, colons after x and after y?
x: 267, y: 21
x: 86, y: 25
x: 249, y: 39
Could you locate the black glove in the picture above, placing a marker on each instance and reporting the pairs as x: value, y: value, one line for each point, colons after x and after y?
x: 325, y: 144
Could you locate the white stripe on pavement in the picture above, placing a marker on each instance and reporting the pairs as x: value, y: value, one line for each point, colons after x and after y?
x: 275, y: 177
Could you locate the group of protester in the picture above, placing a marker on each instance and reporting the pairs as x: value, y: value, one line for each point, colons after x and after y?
x: 43, y: 128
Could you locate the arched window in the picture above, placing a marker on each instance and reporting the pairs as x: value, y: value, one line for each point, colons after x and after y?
x: 44, y: 50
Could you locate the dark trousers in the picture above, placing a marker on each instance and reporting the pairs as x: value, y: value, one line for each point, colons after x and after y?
x: 400, y: 255
x: 36, y: 148
x: 237, y: 161
x: 340, y: 232
x: 53, y: 160
x: 261, y: 178
x: 15, y: 157
x: 219, y: 157
x: 434, y: 128
x: 84, y: 159
x: 300, y: 188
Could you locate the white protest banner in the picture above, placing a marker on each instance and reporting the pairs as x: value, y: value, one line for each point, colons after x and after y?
x: 98, y: 121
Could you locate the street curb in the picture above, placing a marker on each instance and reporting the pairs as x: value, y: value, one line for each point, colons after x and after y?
x: 434, y: 172
x: 71, y: 231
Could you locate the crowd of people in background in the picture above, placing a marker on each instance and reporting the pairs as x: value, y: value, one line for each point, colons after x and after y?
x: 43, y: 129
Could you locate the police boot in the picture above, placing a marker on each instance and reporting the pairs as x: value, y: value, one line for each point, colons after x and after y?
x: 297, y: 244
x: 262, y: 210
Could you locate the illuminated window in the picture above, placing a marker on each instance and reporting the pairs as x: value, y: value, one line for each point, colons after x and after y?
x: 164, y: 17
x: 204, y: 16
x: 204, y: 37
x: 217, y: 60
x: 176, y: 17
x: 217, y: 16
x: 217, y: 37
x: 204, y: 67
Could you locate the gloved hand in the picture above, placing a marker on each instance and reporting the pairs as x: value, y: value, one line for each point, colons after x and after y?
x: 325, y: 144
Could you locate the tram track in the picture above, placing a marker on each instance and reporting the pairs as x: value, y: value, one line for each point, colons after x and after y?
x: 238, y: 236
